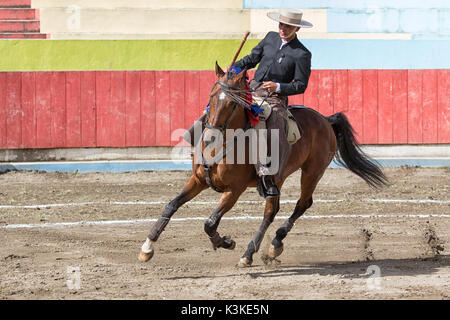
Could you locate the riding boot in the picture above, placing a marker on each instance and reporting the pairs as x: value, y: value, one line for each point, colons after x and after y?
x: 267, y: 187
x: 274, y: 169
x: 193, y: 134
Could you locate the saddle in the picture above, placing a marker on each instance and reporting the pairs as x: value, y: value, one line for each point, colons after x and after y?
x: 293, y: 131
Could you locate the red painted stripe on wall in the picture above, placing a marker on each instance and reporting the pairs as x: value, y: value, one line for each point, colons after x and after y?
x: 340, y: 91
x: 15, y: 3
x: 103, y: 107
x: 414, y: 106
x: 443, y: 106
x: 88, y: 109
x: 28, y: 110
x: 73, y: 109
x: 13, y: 109
x: 146, y: 108
x: 118, y: 109
x: 429, y: 106
x: 43, y: 110
x: 355, y: 102
x: 384, y: 119
x: 325, y: 95
x: 312, y: 92
x: 370, y: 107
x: 400, y: 111
x: 148, y: 113
x: 176, y: 106
x: 162, y: 104
x: 192, y: 98
x: 58, y: 101
x: 3, y: 132
x: 133, y: 109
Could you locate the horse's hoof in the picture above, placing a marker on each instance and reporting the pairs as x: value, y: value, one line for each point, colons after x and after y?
x: 275, y: 252
x: 244, y: 262
x: 144, y: 257
x: 228, y: 243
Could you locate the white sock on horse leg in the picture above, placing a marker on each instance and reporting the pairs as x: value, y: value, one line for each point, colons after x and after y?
x: 147, y: 247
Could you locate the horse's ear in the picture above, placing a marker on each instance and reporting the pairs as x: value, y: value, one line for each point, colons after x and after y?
x: 219, y: 71
x: 241, y: 75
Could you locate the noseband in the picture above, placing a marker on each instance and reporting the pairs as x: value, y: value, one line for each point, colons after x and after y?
x: 233, y: 93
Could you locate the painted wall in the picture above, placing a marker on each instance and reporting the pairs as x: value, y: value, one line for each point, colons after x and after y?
x: 82, y: 55
x: 386, y: 63
x: 145, y: 108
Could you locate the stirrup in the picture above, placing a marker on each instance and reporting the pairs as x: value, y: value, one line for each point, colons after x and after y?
x: 267, y: 187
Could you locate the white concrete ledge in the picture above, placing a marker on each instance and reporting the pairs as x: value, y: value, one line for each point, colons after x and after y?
x: 183, y: 153
x: 183, y: 22
x: 136, y: 21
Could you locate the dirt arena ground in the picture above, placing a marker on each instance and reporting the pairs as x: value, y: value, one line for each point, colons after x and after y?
x: 355, y: 246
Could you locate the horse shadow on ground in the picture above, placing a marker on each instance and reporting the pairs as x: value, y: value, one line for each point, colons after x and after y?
x: 361, y: 269
x: 345, y: 270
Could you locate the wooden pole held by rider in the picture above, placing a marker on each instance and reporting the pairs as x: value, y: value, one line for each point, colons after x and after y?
x: 240, y: 48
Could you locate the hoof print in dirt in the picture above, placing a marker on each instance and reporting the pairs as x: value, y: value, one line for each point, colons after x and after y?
x: 434, y: 245
x: 268, y: 261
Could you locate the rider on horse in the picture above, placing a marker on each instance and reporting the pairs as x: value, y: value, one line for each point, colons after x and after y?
x: 284, y: 69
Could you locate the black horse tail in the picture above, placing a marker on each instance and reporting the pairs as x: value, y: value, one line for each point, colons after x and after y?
x: 350, y: 155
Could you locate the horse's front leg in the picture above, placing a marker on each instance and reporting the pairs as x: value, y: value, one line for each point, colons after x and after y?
x: 192, y: 188
x: 226, y: 202
x: 272, y: 208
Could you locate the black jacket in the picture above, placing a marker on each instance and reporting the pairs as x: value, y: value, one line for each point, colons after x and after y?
x: 290, y: 66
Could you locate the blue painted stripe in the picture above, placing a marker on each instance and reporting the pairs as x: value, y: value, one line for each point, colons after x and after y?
x: 347, y: 4
x: 378, y: 54
x: 98, y: 166
x: 182, y: 165
x: 389, y: 20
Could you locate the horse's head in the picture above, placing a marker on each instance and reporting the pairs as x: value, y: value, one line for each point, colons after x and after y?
x: 228, y: 92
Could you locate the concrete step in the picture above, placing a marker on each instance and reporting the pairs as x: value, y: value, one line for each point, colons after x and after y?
x: 144, y: 21
x: 19, y: 26
x: 15, y: 4
x: 24, y: 36
x: 18, y: 14
x: 152, y: 4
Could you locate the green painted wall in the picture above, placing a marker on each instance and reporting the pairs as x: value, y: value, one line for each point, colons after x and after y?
x: 71, y: 55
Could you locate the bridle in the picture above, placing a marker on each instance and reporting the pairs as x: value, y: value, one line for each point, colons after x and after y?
x: 235, y: 94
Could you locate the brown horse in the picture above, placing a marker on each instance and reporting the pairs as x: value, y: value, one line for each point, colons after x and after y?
x: 322, y: 139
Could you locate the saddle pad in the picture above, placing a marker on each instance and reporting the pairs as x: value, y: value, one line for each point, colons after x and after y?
x: 293, y: 132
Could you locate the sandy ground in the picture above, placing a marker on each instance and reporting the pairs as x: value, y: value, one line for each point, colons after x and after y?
x: 390, y: 255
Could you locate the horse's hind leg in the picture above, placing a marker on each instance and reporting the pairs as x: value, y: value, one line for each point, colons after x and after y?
x: 272, y: 207
x: 226, y: 202
x: 308, y: 185
x: 192, y: 188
